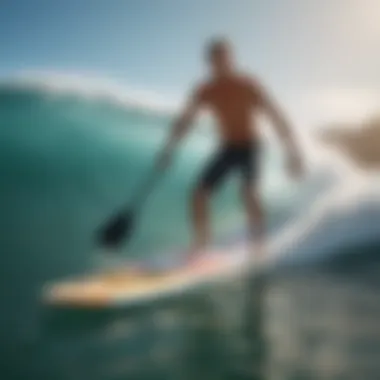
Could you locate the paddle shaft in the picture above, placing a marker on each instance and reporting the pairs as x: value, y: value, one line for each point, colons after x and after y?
x: 121, y: 226
x: 144, y: 190
x: 147, y: 186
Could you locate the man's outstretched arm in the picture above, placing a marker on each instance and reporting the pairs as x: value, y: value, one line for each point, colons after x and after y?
x: 283, y: 129
x: 180, y: 127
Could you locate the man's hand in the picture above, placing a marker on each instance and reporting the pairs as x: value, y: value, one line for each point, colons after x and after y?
x: 180, y: 128
x: 295, y: 166
x: 294, y: 163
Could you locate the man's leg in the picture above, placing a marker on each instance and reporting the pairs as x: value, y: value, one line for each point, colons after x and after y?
x: 211, y: 178
x: 200, y: 218
x: 255, y: 215
x: 250, y: 166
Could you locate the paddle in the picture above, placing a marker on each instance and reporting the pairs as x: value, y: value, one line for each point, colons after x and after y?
x: 121, y: 226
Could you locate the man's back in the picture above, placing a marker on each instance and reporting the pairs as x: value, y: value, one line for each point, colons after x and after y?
x: 232, y: 101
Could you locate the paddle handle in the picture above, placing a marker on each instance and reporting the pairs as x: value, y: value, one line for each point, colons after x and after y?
x: 145, y: 189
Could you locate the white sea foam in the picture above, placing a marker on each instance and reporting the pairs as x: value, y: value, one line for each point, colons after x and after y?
x: 91, y: 87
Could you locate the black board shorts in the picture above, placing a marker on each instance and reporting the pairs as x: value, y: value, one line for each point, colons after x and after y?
x: 243, y: 159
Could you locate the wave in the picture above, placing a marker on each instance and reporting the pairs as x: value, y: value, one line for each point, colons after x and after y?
x: 73, y: 151
x: 347, y: 217
x: 70, y: 157
x: 89, y: 87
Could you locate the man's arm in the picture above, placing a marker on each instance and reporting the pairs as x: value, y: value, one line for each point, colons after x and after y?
x: 283, y: 129
x: 181, y: 126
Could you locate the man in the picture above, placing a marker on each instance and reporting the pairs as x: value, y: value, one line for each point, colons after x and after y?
x: 234, y: 99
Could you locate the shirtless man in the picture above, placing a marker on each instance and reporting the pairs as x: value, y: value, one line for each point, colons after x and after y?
x: 234, y: 99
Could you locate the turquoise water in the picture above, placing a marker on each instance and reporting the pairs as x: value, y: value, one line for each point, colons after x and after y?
x: 67, y: 163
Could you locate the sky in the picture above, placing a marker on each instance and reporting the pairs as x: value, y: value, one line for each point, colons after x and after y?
x: 319, y: 58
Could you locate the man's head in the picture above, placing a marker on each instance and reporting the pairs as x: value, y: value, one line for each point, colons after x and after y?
x: 219, y: 55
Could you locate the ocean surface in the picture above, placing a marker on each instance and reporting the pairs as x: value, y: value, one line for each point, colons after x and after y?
x: 72, y: 155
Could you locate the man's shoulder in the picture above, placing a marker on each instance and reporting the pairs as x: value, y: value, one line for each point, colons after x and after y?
x: 202, y: 88
x: 248, y: 79
x: 204, y: 84
x: 209, y: 84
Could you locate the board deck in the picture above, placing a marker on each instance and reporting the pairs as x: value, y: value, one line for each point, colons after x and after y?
x: 123, y: 286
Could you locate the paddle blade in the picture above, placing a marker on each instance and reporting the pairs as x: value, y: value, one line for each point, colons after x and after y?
x: 117, y: 230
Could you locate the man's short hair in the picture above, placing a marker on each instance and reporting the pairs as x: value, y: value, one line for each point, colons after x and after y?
x: 217, y: 46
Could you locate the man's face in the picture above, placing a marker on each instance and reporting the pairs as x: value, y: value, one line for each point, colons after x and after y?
x: 221, y: 59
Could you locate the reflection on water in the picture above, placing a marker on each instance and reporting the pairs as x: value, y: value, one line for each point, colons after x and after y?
x: 309, y: 325
x: 323, y: 326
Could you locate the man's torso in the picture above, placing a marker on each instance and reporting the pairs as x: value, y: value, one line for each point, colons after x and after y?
x: 232, y: 102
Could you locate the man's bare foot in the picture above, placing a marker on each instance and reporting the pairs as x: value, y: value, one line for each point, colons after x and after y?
x: 194, y: 255
x: 257, y: 251
x: 260, y: 248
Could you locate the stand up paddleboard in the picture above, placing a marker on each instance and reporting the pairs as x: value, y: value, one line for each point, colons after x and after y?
x: 125, y: 286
